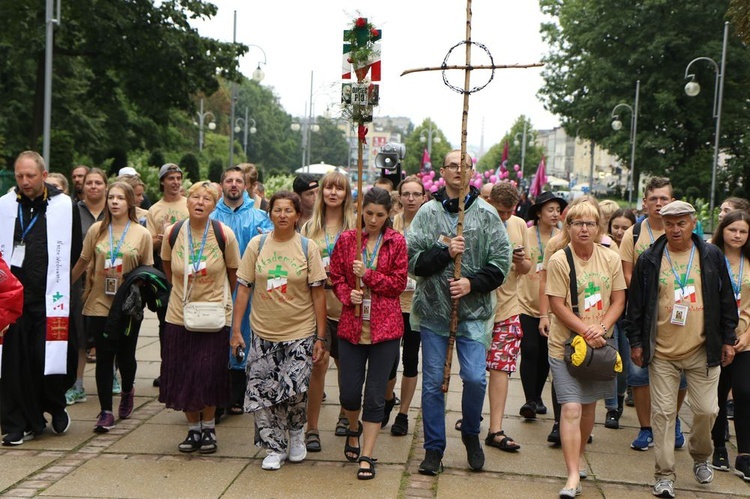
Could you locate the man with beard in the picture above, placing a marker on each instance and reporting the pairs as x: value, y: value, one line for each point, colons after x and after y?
x: 37, y: 363
x: 486, y: 257
x: 235, y: 209
x: 77, y: 176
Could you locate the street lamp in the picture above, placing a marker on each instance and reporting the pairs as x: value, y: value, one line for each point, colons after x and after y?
x: 429, y: 139
x: 523, y: 144
x: 240, y: 124
x: 258, y: 75
x: 617, y: 125
x: 692, y: 88
x: 201, y: 119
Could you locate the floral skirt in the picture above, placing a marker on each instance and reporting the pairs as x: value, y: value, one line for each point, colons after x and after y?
x: 277, y: 371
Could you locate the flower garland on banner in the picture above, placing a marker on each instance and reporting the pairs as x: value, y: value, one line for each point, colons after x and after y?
x: 361, y: 58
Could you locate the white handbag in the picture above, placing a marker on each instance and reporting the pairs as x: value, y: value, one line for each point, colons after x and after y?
x: 202, y: 316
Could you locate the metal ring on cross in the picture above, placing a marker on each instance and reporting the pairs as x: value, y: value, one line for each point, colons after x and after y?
x: 460, y: 90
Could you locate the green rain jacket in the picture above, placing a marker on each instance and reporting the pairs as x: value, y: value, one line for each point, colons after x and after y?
x: 485, y: 262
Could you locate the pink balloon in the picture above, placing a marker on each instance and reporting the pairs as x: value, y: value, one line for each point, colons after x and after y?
x: 492, y: 171
x: 441, y: 182
x: 516, y: 167
x: 487, y: 174
x: 519, y: 174
x: 493, y: 179
x: 434, y: 188
x: 504, y: 174
x: 513, y: 183
x: 432, y: 173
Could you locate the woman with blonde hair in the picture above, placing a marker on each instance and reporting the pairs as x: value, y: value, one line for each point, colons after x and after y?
x: 332, y: 215
x: 194, y: 374
x: 598, y: 268
x: 112, y: 248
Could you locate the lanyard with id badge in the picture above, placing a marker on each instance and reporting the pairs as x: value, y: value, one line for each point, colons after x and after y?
x: 370, y: 263
x: 540, y: 258
x: 680, y: 311
x: 112, y: 263
x: 736, y: 286
x: 329, y: 250
x: 19, y: 250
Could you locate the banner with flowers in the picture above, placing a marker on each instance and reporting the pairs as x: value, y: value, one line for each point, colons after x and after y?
x: 361, y: 62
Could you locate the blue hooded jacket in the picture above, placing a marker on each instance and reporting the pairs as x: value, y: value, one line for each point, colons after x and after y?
x: 246, y: 222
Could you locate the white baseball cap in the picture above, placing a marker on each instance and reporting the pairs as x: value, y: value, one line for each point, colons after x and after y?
x: 128, y: 170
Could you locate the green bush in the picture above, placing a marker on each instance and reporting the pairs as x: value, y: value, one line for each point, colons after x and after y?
x: 277, y: 183
x: 191, y: 167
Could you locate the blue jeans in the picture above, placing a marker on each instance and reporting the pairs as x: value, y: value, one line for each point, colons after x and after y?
x: 471, y: 357
x: 623, y: 347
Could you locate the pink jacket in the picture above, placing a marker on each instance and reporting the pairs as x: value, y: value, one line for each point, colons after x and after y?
x: 386, y: 282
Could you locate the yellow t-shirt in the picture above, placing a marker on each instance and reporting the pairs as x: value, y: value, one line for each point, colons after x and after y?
x: 675, y: 342
x: 507, y: 296
x: 528, y: 284
x: 333, y: 305
x: 282, y: 299
x: 163, y: 213
x: 212, y: 269
x: 136, y: 249
x: 596, y: 279
x: 630, y: 252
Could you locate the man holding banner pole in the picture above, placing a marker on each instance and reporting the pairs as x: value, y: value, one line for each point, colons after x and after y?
x: 486, y: 256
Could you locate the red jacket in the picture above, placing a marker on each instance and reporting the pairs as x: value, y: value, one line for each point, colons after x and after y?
x: 11, y: 297
x: 386, y: 283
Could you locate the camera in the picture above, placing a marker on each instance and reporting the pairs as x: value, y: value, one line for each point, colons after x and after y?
x: 239, y: 354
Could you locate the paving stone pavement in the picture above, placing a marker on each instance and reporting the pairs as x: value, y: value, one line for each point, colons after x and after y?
x: 139, y: 458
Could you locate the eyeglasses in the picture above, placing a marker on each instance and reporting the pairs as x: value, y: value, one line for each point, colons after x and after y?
x: 452, y: 167
x: 411, y: 194
x: 580, y: 223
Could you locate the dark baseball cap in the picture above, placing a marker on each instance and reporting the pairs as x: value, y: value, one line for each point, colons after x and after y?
x: 169, y: 168
x: 304, y: 182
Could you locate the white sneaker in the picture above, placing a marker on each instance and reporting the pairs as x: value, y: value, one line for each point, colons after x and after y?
x: 297, y: 447
x: 273, y: 460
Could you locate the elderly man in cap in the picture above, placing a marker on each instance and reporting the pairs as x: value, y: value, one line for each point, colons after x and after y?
x: 306, y: 187
x: 681, y: 318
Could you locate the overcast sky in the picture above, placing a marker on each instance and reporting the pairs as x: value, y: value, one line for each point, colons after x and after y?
x: 300, y: 36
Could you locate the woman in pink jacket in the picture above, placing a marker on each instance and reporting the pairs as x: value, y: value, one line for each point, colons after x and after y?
x: 368, y: 342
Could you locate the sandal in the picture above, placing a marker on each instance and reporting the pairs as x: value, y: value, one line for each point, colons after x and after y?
x: 366, y: 473
x: 342, y: 426
x: 506, y: 443
x: 352, y: 453
x: 312, y: 441
x: 457, y: 426
x: 236, y: 410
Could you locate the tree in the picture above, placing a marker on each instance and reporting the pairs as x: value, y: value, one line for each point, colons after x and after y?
x: 121, y: 69
x: 415, y: 147
x: 328, y: 144
x: 189, y: 164
x: 739, y: 12
x: 492, y: 158
x: 599, y: 48
x: 215, y: 170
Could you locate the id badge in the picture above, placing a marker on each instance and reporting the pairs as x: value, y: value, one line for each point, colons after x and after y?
x: 679, y: 315
x: 411, y: 284
x: 738, y: 297
x: 326, y: 262
x: 539, y: 267
x: 366, y: 307
x: 110, y: 286
x: 19, y: 253
x: 444, y: 240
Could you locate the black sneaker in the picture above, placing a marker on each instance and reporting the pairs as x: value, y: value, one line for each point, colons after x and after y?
x: 613, y: 420
x: 554, y: 435
x: 742, y: 467
x: 730, y: 409
x: 157, y: 381
x: 400, y: 426
x: 387, y: 411
x: 721, y: 459
x: 629, y: 401
x: 17, y: 437
x: 192, y: 442
x: 474, y: 452
x: 432, y: 464
x: 528, y: 410
x: 60, y: 421
x: 541, y: 409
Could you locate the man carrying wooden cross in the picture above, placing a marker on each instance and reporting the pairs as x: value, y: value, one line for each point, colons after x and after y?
x: 486, y: 258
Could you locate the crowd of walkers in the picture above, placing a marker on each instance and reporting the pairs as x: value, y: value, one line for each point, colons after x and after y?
x: 255, y: 296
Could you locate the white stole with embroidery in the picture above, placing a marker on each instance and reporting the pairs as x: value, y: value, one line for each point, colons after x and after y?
x: 59, y: 216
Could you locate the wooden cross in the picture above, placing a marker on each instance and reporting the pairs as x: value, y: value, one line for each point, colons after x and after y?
x: 466, y: 91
